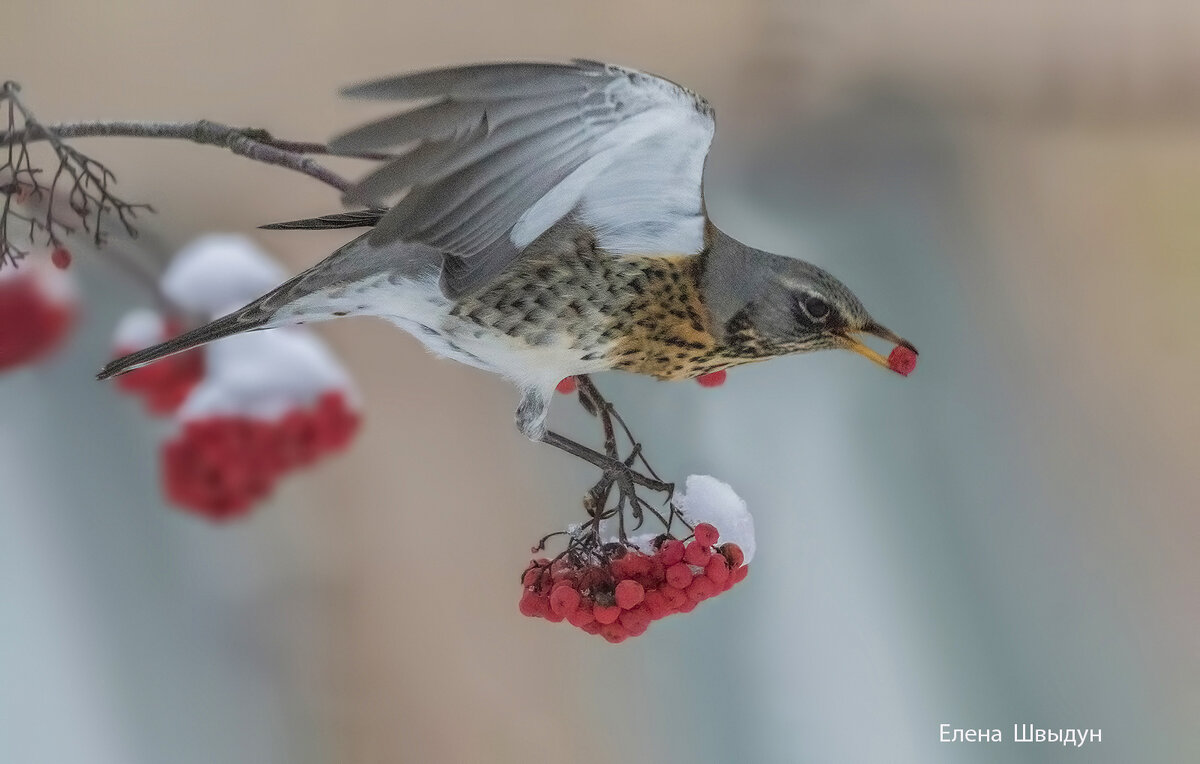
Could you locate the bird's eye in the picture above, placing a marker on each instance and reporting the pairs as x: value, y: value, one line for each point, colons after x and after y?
x: 816, y: 307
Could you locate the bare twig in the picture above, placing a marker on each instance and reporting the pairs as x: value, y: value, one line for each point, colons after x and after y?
x: 88, y: 183
x: 251, y: 143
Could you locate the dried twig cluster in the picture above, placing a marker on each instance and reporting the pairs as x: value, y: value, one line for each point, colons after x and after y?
x: 83, y: 184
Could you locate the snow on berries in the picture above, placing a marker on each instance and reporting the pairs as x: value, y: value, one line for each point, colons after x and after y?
x: 704, y: 499
x: 164, y: 384
x: 616, y: 589
x: 38, y: 306
x: 270, y: 403
x: 219, y: 466
x: 218, y: 272
x: 249, y: 409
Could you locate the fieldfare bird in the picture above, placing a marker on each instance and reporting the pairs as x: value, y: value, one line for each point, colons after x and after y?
x: 550, y: 222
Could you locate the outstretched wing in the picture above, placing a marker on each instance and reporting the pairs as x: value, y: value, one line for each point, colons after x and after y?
x: 499, y: 153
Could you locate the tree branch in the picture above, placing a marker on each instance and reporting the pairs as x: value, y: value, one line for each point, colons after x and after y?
x: 89, y: 182
x: 251, y: 143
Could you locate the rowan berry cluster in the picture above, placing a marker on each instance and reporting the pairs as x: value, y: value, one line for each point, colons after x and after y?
x: 245, y: 411
x: 219, y: 466
x: 37, y: 310
x: 617, y: 591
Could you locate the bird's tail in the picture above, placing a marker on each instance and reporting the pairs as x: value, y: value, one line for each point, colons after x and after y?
x: 248, y: 318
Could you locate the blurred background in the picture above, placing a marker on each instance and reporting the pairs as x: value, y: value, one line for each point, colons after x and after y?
x: 1008, y: 536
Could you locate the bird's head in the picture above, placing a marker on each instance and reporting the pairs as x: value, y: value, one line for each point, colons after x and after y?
x: 768, y: 305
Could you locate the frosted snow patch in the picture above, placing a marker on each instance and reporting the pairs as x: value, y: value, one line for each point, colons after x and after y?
x: 217, y: 270
x: 705, y: 499
x: 263, y: 375
x: 139, y: 328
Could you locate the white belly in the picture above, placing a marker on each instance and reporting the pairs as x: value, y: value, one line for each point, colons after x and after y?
x: 418, y: 307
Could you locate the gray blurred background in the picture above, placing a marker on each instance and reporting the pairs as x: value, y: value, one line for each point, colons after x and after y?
x: 1006, y: 537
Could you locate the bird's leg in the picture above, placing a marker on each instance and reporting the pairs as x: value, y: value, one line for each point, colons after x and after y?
x: 613, y: 468
x: 616, y: 471
x: 596, y: 404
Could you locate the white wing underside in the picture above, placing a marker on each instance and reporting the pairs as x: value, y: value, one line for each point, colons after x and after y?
x: 505, y: 151
x: 640, y: 188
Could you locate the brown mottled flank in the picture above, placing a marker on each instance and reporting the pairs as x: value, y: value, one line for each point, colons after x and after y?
x: 640, y: 313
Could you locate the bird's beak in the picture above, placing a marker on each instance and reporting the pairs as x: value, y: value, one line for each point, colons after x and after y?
x: 878, y: 330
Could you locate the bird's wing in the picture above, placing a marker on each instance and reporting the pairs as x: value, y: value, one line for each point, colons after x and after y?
x: 498, y: 153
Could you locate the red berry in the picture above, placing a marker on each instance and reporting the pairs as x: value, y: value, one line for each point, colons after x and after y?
x: 902, y: 359
x: 671, y: 552
x: 629, y: 594
x: 714, y: 379
x: 566, y: 386
x: 592, y: 627
x: 733, y: 554
x: 656, y: 604
x: 675, y: 596
x: 737, y: 575
x: 706, y: 534
x: 717, y: 570
x: 653, y: 576
x: 701, y: 589
x: 635, y: 621
x: 679, y: 575
x: 613, y: 632
x: 564, y: 599
x: 637, y: 564
x: 696, y: 554
x: 622, y: 567
x: 581, y: 616
x: 531, y: 605
x: 61, y: 257
x: 606, y: 613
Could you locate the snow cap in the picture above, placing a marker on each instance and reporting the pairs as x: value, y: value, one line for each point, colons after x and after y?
x: 705, y: 499
x: 219, y: 271
x: 263, y: 375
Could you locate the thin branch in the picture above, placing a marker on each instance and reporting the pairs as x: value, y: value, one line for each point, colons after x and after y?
x: 251, y: 143
x: 87, y: 183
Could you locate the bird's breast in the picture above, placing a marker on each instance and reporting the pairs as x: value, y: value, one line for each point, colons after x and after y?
x: 665, y: 329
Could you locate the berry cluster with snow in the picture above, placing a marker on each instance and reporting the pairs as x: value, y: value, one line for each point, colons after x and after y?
x: 38, y: 307
x: 270, y: 403
x: 248, y: 409
x: 616, y: 590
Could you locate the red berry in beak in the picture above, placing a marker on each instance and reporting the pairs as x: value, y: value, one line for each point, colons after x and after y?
x: 902, y: 360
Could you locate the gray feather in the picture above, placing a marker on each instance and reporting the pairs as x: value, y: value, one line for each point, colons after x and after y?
x: 492, y: 141
x: 357, y: 219
x: 437, y: 120
x: 507, y: 80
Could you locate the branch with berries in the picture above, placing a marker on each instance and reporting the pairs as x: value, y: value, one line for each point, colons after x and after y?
x: 244, y: 412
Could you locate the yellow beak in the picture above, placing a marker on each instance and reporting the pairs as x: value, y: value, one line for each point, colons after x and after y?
x: 851, y: 343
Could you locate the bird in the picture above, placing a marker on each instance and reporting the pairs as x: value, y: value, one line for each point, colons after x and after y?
x: 547, y: 220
